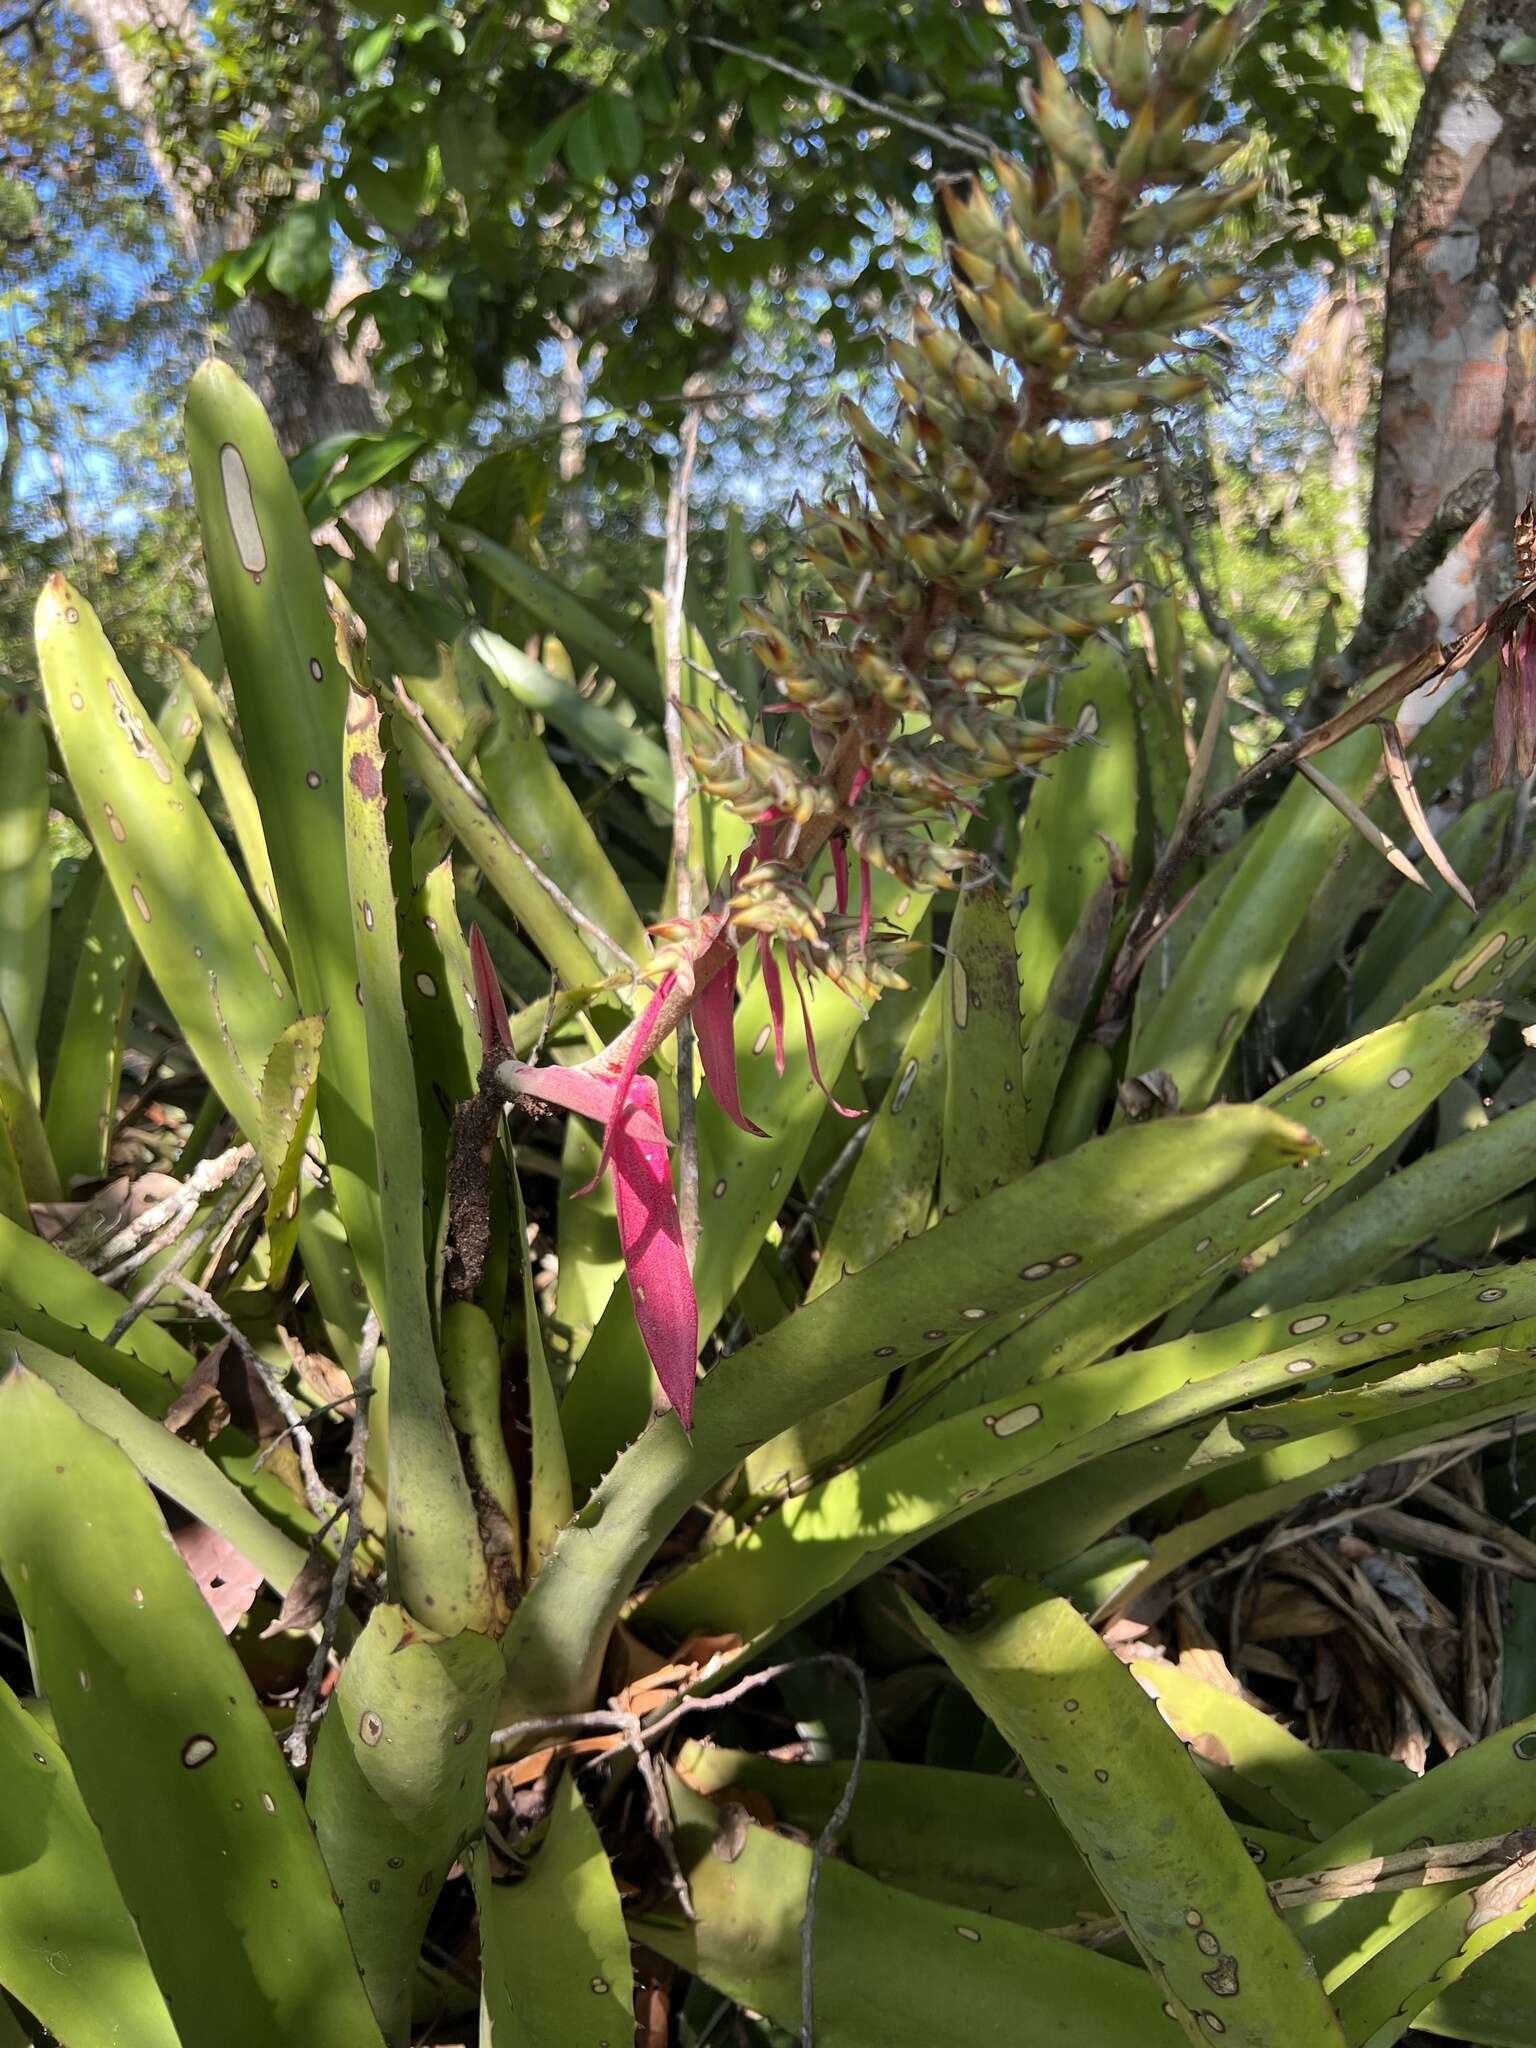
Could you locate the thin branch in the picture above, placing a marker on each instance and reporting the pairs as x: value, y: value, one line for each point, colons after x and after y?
x: 823, y: 1188
x: 1405, y: 1870
x: 322, y: 1408
x: 1402, y: 1870
x: 674, y: 627
x: 639, y: 1733
x: 968, y: 141
x: 202, y: 1234
x: 297, y: 1744
x: 157, y: 1225
x: 317, y: 1495
x: 825, y: 1843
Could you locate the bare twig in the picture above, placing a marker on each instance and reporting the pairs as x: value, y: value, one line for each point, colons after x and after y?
x: 825, y: 1843
x: 297, y: 1744
x: 823, y: 1188
x: 287, y: 1430
x: 660, y: 1811
x: 157, y: 1225
x: 317, y: 1495
x: 1405, y: 1870
x: 674, y: 627
x: 967, y: 140
x: 202, y: 1234
x: 639, y: 1733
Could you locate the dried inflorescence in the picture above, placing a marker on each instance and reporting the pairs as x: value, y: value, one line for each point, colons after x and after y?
x: 982, y: 549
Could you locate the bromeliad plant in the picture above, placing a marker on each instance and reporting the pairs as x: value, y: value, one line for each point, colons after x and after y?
x: 331, y: 1414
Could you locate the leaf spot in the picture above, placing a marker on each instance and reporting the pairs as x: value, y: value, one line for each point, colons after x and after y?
x: 196, y: 1751
x: 1016, y: 1419
x: 1304, y: 1324
x: 959, y: 993
x: 241, y: 508
x: 1480, y: 960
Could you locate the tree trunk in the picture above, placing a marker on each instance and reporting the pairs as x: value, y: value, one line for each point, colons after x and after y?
x: 293, y: 357
x: 1459, y: 373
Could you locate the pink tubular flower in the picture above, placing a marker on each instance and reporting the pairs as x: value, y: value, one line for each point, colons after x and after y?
x: 635, y: 1153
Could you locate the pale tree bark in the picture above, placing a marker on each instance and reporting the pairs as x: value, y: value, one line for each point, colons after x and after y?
x: 573, y: 447
x: 294, y: 357
x: 1459, y: 372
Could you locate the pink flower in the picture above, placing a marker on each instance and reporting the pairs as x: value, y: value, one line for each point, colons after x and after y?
x: 635, y: 1153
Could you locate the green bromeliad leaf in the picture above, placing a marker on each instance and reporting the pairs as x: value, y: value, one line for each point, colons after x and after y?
x: 205, y: 1832
x: 287, y: 1110
x: 397, y: 1790
x: 279, y: 643
x: 1034, y: 1238
x: 181, y: 899
x: 437, y: 1569
x: 1170, y: 1862
x: 69, y: 1950
x: 888, y: 1966
x: 1222, y: 978
x: 24, y: 875
x: 554, y: 1947
x: 986, y: 1135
